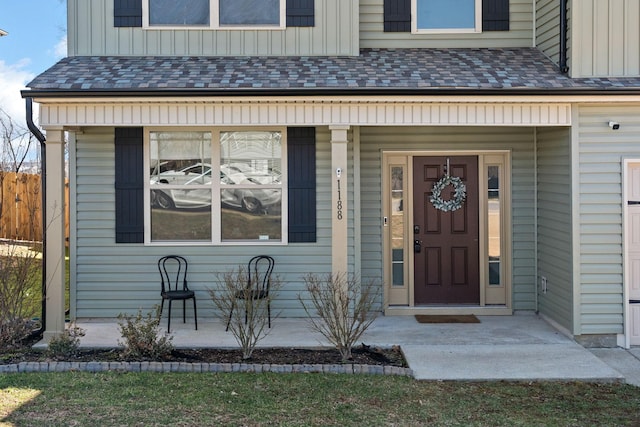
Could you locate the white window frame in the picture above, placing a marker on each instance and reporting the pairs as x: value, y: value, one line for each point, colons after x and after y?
x: 214, y: 20
x: 416, y: 30
x: 216, y: 186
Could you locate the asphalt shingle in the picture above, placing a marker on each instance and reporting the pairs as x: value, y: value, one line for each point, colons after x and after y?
x: 519, y: 68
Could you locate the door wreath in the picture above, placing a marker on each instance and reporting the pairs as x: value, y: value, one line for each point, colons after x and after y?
x: 459, y: 195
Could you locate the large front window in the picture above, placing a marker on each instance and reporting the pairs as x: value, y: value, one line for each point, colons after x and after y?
x: 215, y: 13
x: 446, y: 15
x: 242, y: 204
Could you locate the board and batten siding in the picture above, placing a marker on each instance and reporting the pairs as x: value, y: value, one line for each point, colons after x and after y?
x: 548, y: 28
x: 601, y: 151
x: 91, y: 32
x: 555, y: 247
x: 109, y: 278
x: 519, y: 140
x: 605, y: 38
x: 372, y: 33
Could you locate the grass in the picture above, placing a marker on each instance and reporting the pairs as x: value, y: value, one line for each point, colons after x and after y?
x: 182, y: 399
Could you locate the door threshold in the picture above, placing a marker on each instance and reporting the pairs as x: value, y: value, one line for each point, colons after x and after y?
x: 477, y: 310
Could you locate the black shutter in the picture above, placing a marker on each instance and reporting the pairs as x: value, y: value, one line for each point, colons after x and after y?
x: 397, y: 16
x: 300, y: 13
x: 129, y: 185
x: 495, y: 15
x: 127, y: 13
x: 301, y: 172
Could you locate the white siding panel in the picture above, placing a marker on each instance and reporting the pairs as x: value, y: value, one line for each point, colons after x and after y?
x: 548, y: 28
x: 355, y: 112
x: 600, y: 195
x: 91, y: 32
x: 372, y: 33
x: 554, y: 224
x: 605, y: 36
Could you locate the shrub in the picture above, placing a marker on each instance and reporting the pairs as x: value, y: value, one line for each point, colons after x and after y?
x: 249, y: 316
x: 142, y: 338
x: 343, y: 308
x: 19, y: 299
x: 66, y: 344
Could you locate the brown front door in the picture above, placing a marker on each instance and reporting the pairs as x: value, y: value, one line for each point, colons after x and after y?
x: 446, y: 269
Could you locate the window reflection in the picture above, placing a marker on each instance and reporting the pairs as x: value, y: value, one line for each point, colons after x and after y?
x: 397, y: 225
x: 494, y: 209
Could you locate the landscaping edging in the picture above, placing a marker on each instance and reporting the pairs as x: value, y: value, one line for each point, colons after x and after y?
x: 201, y: 367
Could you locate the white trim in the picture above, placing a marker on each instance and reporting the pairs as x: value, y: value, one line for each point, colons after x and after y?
x: 476, y: 29
x: 214, y: 20
x: 215, y: 187
x: 309, y: 112
x: 625, y: 339
x: 575, y: 225
x: 506, y: 233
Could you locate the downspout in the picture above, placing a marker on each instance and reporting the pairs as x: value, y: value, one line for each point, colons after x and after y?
x: 563, y: 36
x: 43, y: 181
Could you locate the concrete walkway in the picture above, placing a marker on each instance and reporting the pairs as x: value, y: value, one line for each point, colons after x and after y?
x: 522, y: 347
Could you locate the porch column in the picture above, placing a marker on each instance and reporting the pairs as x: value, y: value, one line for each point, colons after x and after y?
x: 55, y: 233
x: 339, y: 199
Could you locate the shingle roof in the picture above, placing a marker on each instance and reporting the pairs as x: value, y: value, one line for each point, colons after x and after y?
x: 399, y: 69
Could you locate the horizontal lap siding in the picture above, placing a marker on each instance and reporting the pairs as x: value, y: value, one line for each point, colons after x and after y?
x: 555, y: 255
x: 91, y: 32
x: 600, y: 192
x: 548, y: 28
x: 519, y: 140
x: 372, y: 33
x: 114, y: 278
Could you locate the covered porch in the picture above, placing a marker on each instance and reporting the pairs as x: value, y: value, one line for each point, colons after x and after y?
x: 519, y: 347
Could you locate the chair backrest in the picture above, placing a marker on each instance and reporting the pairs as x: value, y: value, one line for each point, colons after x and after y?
x: 260, y: 269
x: 173, y: 273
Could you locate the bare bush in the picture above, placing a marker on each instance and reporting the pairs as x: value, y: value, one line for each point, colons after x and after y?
x: 142, y: 337
x: 66, y: 344
x: 340, y: 309
x: 247, y: 316
x: 20, y: 295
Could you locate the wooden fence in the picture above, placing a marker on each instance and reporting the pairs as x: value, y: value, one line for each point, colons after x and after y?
x: 20, y: 202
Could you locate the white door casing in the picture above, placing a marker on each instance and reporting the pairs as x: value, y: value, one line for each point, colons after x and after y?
x: 632, y: 251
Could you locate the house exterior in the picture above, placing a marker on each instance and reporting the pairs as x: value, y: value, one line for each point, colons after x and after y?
x: 467, y: 156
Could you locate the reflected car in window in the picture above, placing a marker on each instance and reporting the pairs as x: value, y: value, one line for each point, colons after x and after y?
x: 258, y: 200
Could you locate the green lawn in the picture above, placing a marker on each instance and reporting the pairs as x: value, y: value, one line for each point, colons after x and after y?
x: 182, y: 399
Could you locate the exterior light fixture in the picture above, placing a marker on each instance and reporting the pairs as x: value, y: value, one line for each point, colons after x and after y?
x: 614, y: 125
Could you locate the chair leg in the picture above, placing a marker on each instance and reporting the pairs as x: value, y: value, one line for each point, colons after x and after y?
x: 169, y: 318
x: 184, y: 311
x: 269, y: 312
x: 195, y: 313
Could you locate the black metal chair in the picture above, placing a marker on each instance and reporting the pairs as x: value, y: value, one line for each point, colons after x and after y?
x: 175, y: 287
x: 258, y: 284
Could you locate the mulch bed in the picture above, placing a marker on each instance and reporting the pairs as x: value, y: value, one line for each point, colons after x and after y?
x: 362, y: 354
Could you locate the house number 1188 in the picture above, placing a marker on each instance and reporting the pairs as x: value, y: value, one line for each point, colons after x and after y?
x: 339, y: 203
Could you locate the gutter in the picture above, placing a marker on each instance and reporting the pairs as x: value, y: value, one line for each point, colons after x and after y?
x: 280, y: 92
x: 43, y: 181
x: 564, y: 69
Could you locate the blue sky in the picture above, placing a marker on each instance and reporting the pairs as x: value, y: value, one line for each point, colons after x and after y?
x: 36, y: 40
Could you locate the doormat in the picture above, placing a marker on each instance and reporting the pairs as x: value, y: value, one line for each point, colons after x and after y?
x: 447, y: 318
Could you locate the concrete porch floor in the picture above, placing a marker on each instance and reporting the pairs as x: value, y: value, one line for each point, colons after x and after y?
x: 523, y: 347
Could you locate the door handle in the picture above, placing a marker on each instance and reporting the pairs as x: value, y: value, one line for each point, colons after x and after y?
x: 417, y: 246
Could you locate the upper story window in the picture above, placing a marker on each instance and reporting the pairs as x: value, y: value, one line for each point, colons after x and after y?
x: 215, y: 13
x: 446, y: 16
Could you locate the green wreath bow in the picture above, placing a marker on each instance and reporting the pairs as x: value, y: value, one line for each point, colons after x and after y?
x: 459, y: 195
